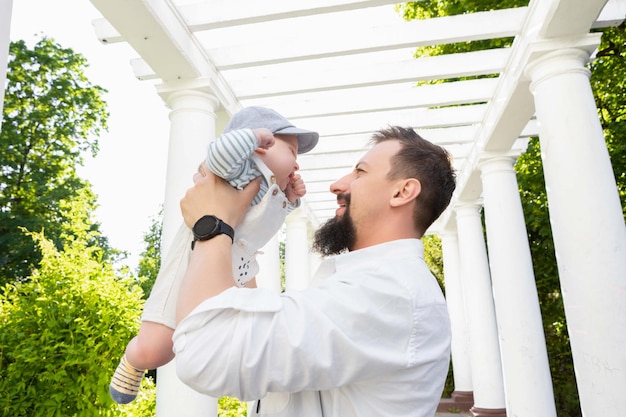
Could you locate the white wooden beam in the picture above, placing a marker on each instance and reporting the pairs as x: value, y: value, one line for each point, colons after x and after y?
x: 613, y: 14
x: 158, y: 34
x: 574, y: 17
x: 333, y: 40
x: 205, y: 15
x: 369, y: 69
x: 381, y: 97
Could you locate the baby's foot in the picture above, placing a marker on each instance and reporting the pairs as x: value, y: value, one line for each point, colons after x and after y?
x: 125, y: 382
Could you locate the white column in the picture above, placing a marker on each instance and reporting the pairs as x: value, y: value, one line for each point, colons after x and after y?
x: 269, y: 266
x: 483, y: 335
x: 461, y: 367
x: 527, y: 380
x: 587, y: 225
x: 192, y: 125
x: 297, y: 269
x: 6, y: 7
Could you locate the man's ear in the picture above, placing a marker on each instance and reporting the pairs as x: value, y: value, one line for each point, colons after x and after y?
x: 405, y: 191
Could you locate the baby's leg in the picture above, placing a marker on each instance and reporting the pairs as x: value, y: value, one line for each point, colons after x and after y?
x: 151, y: 348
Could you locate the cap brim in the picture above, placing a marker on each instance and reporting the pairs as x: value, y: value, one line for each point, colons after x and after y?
x: 307, y: 139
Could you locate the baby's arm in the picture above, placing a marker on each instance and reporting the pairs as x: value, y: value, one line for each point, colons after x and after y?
x: 228, y: 154
x: 295, y: 189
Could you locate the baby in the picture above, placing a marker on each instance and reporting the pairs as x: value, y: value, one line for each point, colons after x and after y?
x: 257, y: 142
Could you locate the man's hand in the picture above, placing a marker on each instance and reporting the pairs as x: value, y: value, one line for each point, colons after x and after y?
x: 295, y: 189
x: 213, y: 195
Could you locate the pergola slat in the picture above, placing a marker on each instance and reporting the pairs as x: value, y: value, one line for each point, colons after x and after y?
x: 305, y: 44
x: 204, y: 15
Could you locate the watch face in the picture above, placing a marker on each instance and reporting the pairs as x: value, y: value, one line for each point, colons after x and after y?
x: 205, y: 228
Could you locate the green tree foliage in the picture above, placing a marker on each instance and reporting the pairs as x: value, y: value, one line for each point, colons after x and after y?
x: 433, y: 257
x: 609, y: 87
x: 52, y: 116
x: 434, y: 260
x: 61, y: 334
x: 607, y: 80
x: 427, y: 9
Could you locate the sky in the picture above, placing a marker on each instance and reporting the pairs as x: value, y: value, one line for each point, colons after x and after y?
x: 128, y: 174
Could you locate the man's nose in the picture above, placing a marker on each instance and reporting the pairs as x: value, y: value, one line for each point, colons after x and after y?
x: 340, y: 185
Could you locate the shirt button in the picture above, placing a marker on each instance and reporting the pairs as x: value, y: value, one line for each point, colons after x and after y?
x: 284, y: 204
x: 273, y: 179
x: 275, y: 192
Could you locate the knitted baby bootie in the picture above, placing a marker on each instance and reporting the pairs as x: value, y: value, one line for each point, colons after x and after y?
x: 125, y: 382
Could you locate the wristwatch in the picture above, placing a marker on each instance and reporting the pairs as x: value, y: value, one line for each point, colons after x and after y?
x: 209, y: 226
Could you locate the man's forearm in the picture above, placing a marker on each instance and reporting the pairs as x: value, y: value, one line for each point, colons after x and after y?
x: 210, y: 264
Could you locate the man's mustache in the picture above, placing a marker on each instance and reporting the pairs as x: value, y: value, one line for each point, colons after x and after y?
x: 345, y: 197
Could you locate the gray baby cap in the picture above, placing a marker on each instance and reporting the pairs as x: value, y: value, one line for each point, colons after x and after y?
x: 258, y: 117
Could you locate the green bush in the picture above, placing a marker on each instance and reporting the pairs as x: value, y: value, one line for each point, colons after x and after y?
x: 231, y: 407
x: 62, y: 333
x: 144, y: 405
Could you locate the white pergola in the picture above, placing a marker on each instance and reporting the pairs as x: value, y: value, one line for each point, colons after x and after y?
x: 346, y: 68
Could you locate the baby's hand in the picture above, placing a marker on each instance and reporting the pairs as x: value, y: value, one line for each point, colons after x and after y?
x: 264, y: 137
x: 295, y: 189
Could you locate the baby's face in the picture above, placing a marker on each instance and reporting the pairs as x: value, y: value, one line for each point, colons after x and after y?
x: 281, y: 158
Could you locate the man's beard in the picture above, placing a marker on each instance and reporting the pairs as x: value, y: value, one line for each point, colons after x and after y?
x: 336, y: 235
